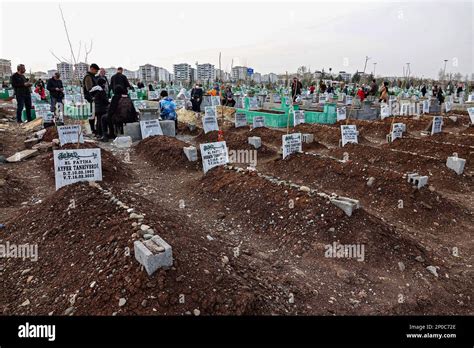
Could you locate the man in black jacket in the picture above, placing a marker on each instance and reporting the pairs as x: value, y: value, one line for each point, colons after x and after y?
x: 120, y: 79
x: 22, y: 88
x: 56, y: 91
x: 89, y: 82
x: 296, y: 87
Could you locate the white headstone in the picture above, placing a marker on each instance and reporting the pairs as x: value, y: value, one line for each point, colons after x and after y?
x: 258, y: 121
x: 397, y: 130
x: 292, y: 143
x: 437, y: 125
x: 215, y: 100
x: 384, y: 111
x: 150, y: 128
x: 71, y: 166
x: 133, y: 95
x: 70, y: 134
x: 210, y: 111
x: 240, y: 119
x: 448, y: 105
x: 426, y: 106
x: 349, y: 134
x: 152, y: 95
x: 213, y: 155
x: 341, y: 113
x: 253, y: 103
x: 348, y: 100
x: 298, y: 117
x: 209, y: 123
x: 471, y: 114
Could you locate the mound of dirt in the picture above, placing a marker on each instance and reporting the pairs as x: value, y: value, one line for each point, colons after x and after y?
x: 271, y: 136
x: 12, y: 190
x: 86, y: 264
x: 166, y: 152
x: 113, y: 170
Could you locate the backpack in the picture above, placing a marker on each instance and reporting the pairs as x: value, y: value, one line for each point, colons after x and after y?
x: 125, y: 112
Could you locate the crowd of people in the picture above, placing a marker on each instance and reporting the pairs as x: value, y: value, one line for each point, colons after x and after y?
x: 108, y: 114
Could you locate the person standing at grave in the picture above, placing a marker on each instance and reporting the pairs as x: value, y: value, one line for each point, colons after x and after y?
x: 103, y: 75
x: 88, y: 82
x: 56, y: 91
x: 322, y: 87
x: 384, y: 93
x: 101, y: 103
x: 120, y: 79
x: 361, y: 93
x: 312, y: 88
x: 296, y: 87
x: 196, y: 98
x: 168, y: 109
x: 440, y: 95
x: 22, y: 88
x: 140, y: 85
x: 121, y: 110
x: 373, y: 88
x: 423, y: 90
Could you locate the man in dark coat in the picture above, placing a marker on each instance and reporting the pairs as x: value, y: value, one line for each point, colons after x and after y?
x: 22, y: 88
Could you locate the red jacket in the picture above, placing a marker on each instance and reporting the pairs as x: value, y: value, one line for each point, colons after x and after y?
x: 361, y: 94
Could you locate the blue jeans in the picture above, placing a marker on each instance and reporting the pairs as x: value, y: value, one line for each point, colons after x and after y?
x: 23, y: 101
x: 54, y: 101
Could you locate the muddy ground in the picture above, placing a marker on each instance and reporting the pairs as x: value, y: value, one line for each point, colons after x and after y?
x: 244, y: 244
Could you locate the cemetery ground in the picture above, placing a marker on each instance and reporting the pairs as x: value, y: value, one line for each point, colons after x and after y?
x: 245, y: 241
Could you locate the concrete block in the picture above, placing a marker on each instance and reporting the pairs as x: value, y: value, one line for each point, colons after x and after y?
x: 30, y: 142
x: 133, y: 131
x: 153, y: 254
x: 418, y: 180
x: 256, y: 142
x: 348, y: 205
x: 307, y: 138
x: 191, y: 153
x: 168, y: 128
x: 149, y: 114
x: 22, y: 155
x: 457, y: 164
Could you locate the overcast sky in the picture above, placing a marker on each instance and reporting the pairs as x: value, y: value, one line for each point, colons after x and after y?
x: 267, y: 36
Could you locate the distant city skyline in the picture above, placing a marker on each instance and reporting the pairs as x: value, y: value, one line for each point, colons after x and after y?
x: 269, y: 37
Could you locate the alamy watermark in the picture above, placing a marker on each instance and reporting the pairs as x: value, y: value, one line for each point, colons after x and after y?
x: 243, y: 157
x: 349, y: 251
x: 19, y: 251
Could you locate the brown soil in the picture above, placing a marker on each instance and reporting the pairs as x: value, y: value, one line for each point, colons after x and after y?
x: 51, y: 133
x: 165, y: 152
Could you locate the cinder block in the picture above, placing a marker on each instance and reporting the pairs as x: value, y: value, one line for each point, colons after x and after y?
x: 133, y: 131
x: 307, y: 138
x: 256, y: 142
x: 348, y: 205
x: 149, y: 114
x: 457, y: 164
x: 191, y: 153
x: 168, y: 128
x: 417, y: 180
x: 153, y: 254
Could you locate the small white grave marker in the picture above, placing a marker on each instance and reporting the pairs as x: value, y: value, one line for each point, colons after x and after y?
x: 213, y: 155
x: 71, y: 166
x: 150, y: 128
x: 240, y: 119
x: 70, y: 134
x: 349, y: 134
x: 437, y: 125
x: 292, y: 143
x: 209, y: 123
x: 341, y: 113
x: 298, y: 117
x: 258, y: 121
